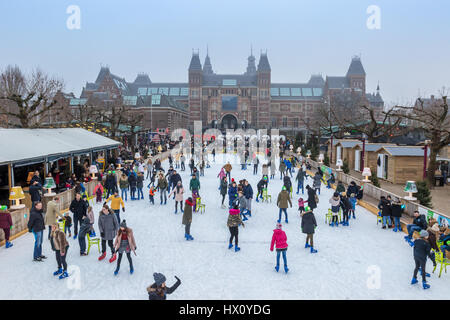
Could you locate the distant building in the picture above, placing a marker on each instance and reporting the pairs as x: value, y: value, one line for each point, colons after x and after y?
x: 225, y: 101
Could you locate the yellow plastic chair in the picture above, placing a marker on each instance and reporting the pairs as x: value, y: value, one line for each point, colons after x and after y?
x: 444, y: 262
x: 328, y: 216
x: 62, y: 224
x: 266, y: 197
x: 200, y: 207
x: 93, y: 241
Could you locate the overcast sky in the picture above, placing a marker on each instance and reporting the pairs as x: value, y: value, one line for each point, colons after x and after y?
x: 408, y: 55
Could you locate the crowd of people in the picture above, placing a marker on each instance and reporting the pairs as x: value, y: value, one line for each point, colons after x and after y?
x: 130, y: 170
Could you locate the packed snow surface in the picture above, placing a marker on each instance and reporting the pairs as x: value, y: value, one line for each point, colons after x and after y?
x: 361, y: 261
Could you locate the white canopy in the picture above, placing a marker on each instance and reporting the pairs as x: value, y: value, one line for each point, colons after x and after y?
x: 24, y: 145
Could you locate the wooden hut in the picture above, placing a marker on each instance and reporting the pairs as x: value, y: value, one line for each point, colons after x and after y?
x: 343, y: 149
x: 398, y: 164
x: 370, y: 155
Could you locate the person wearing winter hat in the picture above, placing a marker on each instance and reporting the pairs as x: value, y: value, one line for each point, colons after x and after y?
x: 282, y: 203
x: 158, y: 290
x: 422, y: 250
x: 309, y: 224
x: 124, y: 242
x: 233, y: 223
x: 187, y: 218
x: 279, y: 239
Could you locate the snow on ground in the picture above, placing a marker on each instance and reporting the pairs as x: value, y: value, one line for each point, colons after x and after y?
x: 342, y: 269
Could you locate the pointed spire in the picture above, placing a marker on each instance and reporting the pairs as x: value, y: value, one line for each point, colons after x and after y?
x: 207, y: 67
x: 251, y: 66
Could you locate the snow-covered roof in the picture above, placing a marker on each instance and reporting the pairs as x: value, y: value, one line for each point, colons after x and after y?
x: 21, y: 145
x: 404, y: 151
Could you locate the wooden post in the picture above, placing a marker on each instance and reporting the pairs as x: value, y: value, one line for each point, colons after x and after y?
x: 71, y: 164
x: 10, y: 180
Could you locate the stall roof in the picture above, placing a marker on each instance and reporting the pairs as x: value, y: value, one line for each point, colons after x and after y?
x: 348, y: 143
x: 403, y: 151
x: 21, y: 145
x: 372, y: 147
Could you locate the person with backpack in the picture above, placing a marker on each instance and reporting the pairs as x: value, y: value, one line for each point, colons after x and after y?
x: 279, y: 240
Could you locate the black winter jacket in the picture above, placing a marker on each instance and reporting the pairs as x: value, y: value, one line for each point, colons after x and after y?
x: 421, y: 221
x: 385, y: 207
x: 78, y: 208
x: 36, y: 221
x: 308, y: 222
x: 396, y: 210
x: 35, y: 192
x: 422, y: 249
x: 153, y: 295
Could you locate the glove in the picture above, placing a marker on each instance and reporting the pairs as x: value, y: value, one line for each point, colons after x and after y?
x: 123, y: 209
x: 178, y: 279
x: 102, y: 234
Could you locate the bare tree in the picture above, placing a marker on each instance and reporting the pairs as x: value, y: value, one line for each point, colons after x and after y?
x: 350, y: 113
x: 434, y: 119
x: 116, y: 116
x: 26, y: 99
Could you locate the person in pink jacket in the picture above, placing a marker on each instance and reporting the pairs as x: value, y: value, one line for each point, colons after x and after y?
x: 279, y: 240
x: 221, y: 175
x: 178, y: 191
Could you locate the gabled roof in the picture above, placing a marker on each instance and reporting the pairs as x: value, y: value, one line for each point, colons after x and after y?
x: 372, y: 147
x: 403, y: 151
x: 347, y: 143
x: 374, y: 98
x: 316, y: 80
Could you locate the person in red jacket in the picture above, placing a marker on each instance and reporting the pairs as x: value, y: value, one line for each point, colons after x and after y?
x: 279, y: 240
x: 5, y: 224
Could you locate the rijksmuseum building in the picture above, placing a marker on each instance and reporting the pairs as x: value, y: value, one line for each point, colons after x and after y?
x: 246, y: 100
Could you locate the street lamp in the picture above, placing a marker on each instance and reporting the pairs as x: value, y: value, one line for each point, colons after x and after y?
x: 364, y: 137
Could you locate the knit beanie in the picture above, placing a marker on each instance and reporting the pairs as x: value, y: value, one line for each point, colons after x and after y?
x: 279, y: 225
x: 423, y: 233
x: 123, y: 224
x: 159, y: 278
